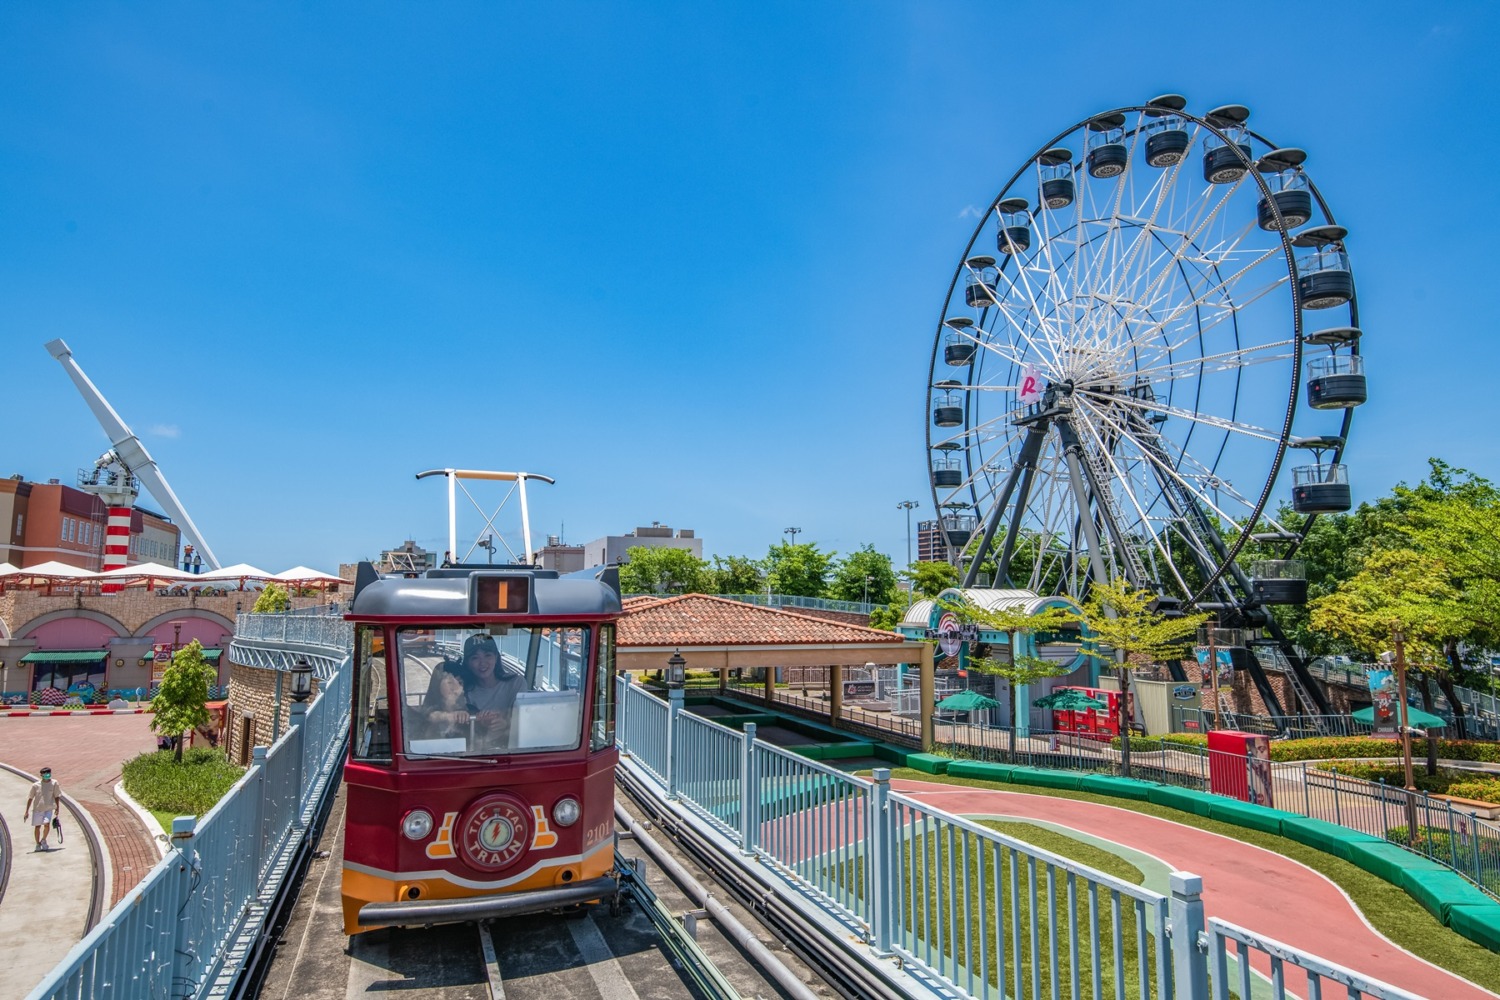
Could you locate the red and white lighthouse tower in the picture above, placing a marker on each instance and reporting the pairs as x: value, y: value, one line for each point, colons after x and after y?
x: 112, y: 482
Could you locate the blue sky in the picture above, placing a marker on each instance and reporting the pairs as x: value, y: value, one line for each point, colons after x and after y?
x: 688, y: 259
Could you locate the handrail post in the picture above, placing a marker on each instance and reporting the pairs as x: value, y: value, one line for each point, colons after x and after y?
x: 187, y: 866
x: 262, y: 789
x: 877, y: 864
x: 622, y: 696
x: 674, y: 709
x: 749, y: 790
x: 1189, y: 962
x: 295, y: 726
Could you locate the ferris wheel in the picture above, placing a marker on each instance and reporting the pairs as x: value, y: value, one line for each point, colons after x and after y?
x: 1117, y: 373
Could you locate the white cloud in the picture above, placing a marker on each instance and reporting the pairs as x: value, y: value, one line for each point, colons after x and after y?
x: 165, y: 430
x: 970, y: 212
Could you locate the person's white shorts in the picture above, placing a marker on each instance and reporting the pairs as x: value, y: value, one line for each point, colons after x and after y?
x: 42, y: 817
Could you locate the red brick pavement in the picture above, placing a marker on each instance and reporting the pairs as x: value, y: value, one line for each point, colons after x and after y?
x: 85, y: 753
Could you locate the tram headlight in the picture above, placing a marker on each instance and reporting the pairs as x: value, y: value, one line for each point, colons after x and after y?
x: 417, y: 824
x: 566, y: 812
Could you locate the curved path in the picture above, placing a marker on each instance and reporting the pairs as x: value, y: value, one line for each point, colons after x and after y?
x: 1244, y: 884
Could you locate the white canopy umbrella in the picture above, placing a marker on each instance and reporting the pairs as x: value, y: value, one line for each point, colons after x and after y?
x: 55, y: 570
x: 239, y: 573
x: 301, y: 574
x: 49, y: 573
x: 146, y: 573
x: 6, y: 569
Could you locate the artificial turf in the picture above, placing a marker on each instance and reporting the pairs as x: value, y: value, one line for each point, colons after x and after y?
x: 1387, y: 907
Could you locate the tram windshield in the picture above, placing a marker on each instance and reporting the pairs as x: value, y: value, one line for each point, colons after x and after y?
x: 479, y: 692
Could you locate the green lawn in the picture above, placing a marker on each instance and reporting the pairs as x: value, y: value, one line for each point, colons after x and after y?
x: 1387, y: 907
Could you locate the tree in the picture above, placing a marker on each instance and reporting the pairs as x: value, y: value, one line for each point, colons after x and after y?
x: 272, y: 601
x: 798, y: 570
x: 649, y: 569
x: 180, y: 704
x: 929, y: 579
x: 886, y: 618
x: 864, y: 572
x: 1407, y: 590
x: 1126, y: 621
x: 1014, y: 620
x: 736, y: 575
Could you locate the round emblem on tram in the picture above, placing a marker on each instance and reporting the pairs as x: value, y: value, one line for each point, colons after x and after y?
x: 494, y: 832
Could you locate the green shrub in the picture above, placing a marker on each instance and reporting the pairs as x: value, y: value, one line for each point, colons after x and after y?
x: 1463, y: 784
x: 1441, y: 845
x: 1483, y: 789
x: 1196, y: 740
x: 1325, y: 747
x: 157, y: 781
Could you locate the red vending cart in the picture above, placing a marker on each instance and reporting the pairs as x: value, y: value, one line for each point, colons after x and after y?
x: 1239, y: 765
x: 1098, y: 724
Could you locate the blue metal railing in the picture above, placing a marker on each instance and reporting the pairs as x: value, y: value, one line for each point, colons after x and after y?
x: 187, y: 928
x: 983, y: 913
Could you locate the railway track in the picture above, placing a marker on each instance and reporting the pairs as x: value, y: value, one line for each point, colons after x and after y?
x: 658, y: 943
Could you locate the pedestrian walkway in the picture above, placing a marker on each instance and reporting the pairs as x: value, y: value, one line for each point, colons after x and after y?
x: 85, y: 753
x: 45, y: 909
x: 1243, y: 884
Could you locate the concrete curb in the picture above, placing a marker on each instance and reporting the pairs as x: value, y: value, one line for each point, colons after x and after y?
x: 158, y: 836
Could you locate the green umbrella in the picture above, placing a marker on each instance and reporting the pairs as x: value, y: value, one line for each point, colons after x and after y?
x: 967, y: 701
x: 1415, y: 717
x: 1069, y: 700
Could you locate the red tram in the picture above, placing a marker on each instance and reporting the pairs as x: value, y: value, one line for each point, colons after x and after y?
x: 480, y: 778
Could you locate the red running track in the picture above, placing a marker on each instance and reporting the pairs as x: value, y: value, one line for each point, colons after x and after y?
x: 1244, y: 884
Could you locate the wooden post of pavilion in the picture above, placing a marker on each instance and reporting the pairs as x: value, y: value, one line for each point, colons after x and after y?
x: 927, y: 697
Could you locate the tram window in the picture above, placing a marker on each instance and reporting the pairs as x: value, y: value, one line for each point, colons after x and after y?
x: 602, y: 732
x: 372, y: 713
x: 466, y: 690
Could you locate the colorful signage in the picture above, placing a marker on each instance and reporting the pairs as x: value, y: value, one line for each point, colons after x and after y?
x: 1382, y: 681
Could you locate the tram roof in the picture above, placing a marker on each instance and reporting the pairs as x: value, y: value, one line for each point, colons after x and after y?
x: 456, y: 593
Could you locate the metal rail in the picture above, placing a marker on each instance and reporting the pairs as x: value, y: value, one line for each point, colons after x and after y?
x: 863, y: 875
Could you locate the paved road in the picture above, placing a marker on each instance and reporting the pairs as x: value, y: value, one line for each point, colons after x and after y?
x: 1244, y: 884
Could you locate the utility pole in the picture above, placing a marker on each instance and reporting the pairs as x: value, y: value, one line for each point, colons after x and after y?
x: 907, y: 505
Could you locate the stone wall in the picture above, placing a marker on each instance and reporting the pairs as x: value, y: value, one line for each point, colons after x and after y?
x: 132, y: 608
x: 253, y: 718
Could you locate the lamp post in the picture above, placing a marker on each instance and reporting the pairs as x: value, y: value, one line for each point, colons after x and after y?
x: 868, y: 581
x: 794, y: 532
x: 908, y: 506
x: 1398, y: 637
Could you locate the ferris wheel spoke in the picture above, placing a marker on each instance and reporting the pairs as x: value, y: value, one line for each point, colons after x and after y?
x: 1209, y: 420
x: 1121, y: 479
x: 1024, y: 290
x: 1153, y: 448
x: 1209, y: 210
x: 1223, y: 361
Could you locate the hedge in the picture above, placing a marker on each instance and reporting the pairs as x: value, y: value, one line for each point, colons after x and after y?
x: 1465, y: 785
x: 1357, y: 747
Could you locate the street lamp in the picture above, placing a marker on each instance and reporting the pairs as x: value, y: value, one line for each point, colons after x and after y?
x: 794, y: 532
x: 908, y: 506
x: 868, y: 581
x: 676, y: 670
x: 301, y: 672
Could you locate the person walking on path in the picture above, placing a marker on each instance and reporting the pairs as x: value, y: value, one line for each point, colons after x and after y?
x: 41, y: 806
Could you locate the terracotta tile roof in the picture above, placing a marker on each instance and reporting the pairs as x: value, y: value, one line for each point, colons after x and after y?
x: 700, y: 620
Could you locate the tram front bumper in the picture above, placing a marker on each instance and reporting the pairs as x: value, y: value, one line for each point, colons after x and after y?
x: 421, y: 912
